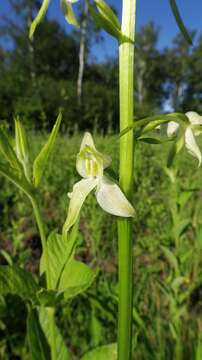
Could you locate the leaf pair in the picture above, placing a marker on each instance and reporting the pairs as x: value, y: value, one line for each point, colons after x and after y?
x: 18, y: 170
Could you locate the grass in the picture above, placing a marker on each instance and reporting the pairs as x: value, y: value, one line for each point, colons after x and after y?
x: 167, y: 297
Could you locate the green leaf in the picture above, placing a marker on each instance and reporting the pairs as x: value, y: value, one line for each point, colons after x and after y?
x: 108, y: 352
x: 42, y: 12
x: 16, y: 281
x: 59, y: 250
x: 69, y: 13
x: 181, y: 227
x: 8, y: 152
x: 22, y: 148
x: 154, y: 140
x: 38, y: 345
x: 108, y: 13
x: 42, y: 159
x: 21, y: 183
x: 151, y: 122
x: 179, y: 21
x: 105, y: 23
x: 75, y: 279
x: 62, y: 351
x: 174, y: 149
x: 49, y: 298
x: 171, y: 258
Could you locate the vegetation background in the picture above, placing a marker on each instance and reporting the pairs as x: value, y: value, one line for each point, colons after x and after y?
x: 39, y: 78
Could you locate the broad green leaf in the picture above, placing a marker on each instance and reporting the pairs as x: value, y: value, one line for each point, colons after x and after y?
x: 41, y: 161
x: 59, y: 250
x: 42, y: 12
x: 179, y: 21
x: 14, y: 280
x: 107, y: 352
x: 69, y: 13
x: 38, y: 346
x: 62, y: 351
x: 104, y: 23
x: 8, y: 152
x: 75, y: 279
x: 184, y: 196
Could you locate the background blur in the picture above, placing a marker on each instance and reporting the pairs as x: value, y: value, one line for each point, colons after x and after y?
x: 77, y: 72
x: 62, y: 69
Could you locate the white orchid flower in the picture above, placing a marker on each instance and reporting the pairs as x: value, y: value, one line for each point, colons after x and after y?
x: 191, y: 131
x: 90, y: 165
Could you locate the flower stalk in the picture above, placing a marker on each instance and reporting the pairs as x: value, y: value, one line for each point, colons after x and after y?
x: 125, y: 243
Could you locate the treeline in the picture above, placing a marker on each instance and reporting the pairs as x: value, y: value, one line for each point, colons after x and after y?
x: 53, y: 72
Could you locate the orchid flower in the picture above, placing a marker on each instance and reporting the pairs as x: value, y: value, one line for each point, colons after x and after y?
x: 192, y: 130
x: 90, y: 164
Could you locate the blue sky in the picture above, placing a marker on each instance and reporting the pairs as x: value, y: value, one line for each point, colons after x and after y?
x: 157, y: 11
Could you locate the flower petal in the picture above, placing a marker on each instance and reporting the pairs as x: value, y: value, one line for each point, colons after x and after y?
x: 191, y: 145
x: 112, y: 200
x: 87, y: 141
x: 80, y: 191
x: 195, y: 119
x: 172, y: 128
x: 90, y: 162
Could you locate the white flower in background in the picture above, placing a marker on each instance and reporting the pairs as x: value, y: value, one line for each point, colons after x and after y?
x: 191, y: 131
x: 90, y: 165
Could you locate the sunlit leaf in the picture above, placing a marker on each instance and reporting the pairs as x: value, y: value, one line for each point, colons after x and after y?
x: 76, y: 278
x: 39, y: 17
x: 8, y: 152
x: 69, y: 13
x: 59, y: 251
x: 104, y: 23
x: 41, y: 161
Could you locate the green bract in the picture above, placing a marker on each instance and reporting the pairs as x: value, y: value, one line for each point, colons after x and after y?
x: 90, y: 165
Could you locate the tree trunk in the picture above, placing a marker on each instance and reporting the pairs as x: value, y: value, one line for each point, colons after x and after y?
x: 82, y: 51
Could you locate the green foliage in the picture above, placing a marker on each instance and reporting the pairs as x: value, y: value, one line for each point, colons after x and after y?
x: 165, y: 304
x: 38, y: 345
x: 14, y: 280
x: 41, y: 161
x: 103, y: 352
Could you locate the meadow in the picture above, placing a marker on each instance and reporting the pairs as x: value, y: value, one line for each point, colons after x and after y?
x: 167, y: 240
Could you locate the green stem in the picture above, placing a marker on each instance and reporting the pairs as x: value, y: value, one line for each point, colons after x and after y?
x: 126, y: 84
x: 51, y: 312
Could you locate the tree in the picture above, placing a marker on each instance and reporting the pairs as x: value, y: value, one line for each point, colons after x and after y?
x: 149, y: 75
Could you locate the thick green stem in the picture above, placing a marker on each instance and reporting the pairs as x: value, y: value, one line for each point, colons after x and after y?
x: 41, y: 227
x: 126, y: 84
